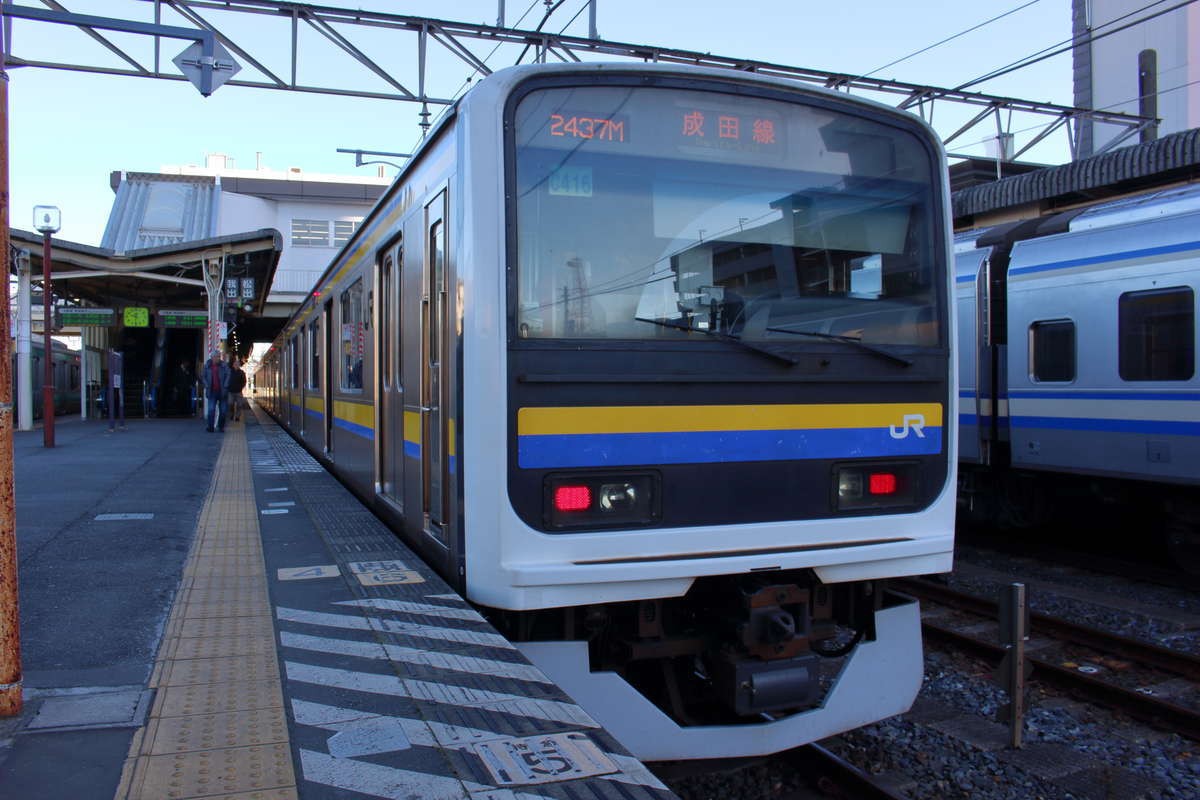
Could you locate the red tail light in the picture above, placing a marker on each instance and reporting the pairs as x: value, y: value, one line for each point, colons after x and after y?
x: 882, y: 483
x: 572, y: 498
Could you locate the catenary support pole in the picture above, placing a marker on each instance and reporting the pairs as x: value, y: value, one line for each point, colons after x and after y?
x: 10, y: 627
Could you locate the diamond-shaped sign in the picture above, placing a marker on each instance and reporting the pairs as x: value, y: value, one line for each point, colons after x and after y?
x: 206, y: 75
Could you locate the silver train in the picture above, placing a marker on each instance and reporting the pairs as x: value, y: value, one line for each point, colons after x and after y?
x: 654, y: 364
x: 1077, y: 366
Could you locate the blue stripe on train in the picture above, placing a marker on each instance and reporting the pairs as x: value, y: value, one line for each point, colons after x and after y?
x: 700, y: 447
x: 353, y: 427
x: 1071, y: 395
x: 1160, y: 427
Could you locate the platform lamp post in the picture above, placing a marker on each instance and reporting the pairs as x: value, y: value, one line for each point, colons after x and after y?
x: 47, y: 220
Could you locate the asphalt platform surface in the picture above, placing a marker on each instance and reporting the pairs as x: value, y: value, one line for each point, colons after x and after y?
x: 104, y: 523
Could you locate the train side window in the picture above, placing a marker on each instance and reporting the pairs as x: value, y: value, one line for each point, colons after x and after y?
x: 1052, y: 350
x: 1157, y: 335
x: 353, y: 336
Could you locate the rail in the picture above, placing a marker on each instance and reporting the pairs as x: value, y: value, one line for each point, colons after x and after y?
x: 1138, y: 704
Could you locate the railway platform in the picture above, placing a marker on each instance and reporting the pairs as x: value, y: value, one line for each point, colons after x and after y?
x: 213, y: 615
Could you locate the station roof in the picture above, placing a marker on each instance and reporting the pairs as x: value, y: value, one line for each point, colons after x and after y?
x: 1172, y: 158
x: 164, y: 277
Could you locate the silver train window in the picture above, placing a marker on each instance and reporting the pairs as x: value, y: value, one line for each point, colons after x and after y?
x: 662, y: 213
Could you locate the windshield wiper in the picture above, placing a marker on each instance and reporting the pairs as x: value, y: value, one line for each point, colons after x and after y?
x: 879, y: 351
x: 724, y: 337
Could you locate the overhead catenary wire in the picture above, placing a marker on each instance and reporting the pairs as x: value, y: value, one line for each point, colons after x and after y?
x: 1074, y: 42
x: 1160, y: 92
x: 948, y: 38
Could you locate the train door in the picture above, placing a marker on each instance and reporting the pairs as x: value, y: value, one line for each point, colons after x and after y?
x: 434, y: 449
x: 302, y: 344
x: 328, y: 376
x: 389, y: 403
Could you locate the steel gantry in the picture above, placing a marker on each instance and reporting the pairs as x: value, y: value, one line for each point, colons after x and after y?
x: 346, y: 29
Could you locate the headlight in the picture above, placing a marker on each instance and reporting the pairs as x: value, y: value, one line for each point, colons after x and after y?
x: 603, y: 500
x: 884, y: 485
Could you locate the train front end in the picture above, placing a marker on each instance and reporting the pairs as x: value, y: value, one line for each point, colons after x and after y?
x: 714, y: 410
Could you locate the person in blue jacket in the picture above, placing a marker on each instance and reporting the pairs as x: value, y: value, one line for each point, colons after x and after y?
x: 215, y: 378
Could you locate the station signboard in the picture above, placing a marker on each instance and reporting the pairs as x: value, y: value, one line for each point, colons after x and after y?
x: 87, y: 316
x: 137, y: 317
x: 185, y: 318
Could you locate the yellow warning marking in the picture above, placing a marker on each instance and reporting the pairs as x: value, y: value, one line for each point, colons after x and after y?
x: 217, y: 727
x: 214, y: 772
x: 208, y: 698
x: 391, y: 577
x: 209, y: 731
x: 305, y: 573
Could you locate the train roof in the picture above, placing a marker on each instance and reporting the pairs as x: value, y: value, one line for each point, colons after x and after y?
x: 1167, y: 202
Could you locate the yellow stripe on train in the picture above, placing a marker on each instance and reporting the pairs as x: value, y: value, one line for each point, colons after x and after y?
x: 551, y: 421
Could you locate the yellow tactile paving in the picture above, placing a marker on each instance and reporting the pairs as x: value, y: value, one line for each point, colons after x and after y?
x: 211, y: 731
x: 222, y: 608
x: 217, y: 728
x: 219, y: 772
x: 213, y: 647
x: 225, y: 627
x: 205, y: 698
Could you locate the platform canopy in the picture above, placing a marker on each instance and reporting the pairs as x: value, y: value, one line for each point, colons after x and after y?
x: 170, y: 277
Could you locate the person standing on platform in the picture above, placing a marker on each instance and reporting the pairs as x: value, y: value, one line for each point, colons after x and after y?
x: 216, y: 387
x: 237, y: 382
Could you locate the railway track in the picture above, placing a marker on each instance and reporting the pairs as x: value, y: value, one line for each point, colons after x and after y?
x: 1138, y: 702
x: 824, y: 773
x: 838, y: 777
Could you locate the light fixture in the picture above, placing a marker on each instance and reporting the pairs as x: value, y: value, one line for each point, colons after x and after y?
x: 47, y: 219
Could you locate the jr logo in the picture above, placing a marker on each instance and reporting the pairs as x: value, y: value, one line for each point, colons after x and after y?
x: 915, y: 422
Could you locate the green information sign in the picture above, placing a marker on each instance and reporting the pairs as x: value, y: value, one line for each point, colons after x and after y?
x: 137, y: 317
x: 183, y: 319
x: 86, y: 316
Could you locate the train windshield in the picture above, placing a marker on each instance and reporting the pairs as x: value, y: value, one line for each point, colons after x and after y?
x: 650, y: 213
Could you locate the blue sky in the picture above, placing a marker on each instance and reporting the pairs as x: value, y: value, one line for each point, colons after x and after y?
x: 69, y: 130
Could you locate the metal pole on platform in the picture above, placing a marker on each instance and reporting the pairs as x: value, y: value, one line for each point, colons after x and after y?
x: 24, y: 396
x: 47, y: 220
x: 10, y: 625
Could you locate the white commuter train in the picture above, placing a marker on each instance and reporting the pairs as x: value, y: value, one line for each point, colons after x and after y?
x: 1078, y: 363
x: 654, y: 363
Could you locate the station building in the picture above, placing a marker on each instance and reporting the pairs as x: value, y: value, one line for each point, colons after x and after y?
x: 271, y: 233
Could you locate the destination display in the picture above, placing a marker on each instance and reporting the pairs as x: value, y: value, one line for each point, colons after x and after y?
x: 86, y: 316
x: 659, y: 123
x: 187, y: 318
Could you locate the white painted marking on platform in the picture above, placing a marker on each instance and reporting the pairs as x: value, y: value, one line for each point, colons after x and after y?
x: 438, y: 693
x: 378, y: 780
x: 383, y: 604
x: 306, y: 573
x: 283, y: 504
x: 392, y: 626
x: 546, y: 758
x: 390, y: 578
x: 344, y: 621
x: 369, y: 737
x: 360, y: 567
x: 454, y: 737
x: 274, y: 511
x: 445, y: 597
x: 633, y: 772
x: 111, y: 517
x: 410, y: 655
x: 277, y: 489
